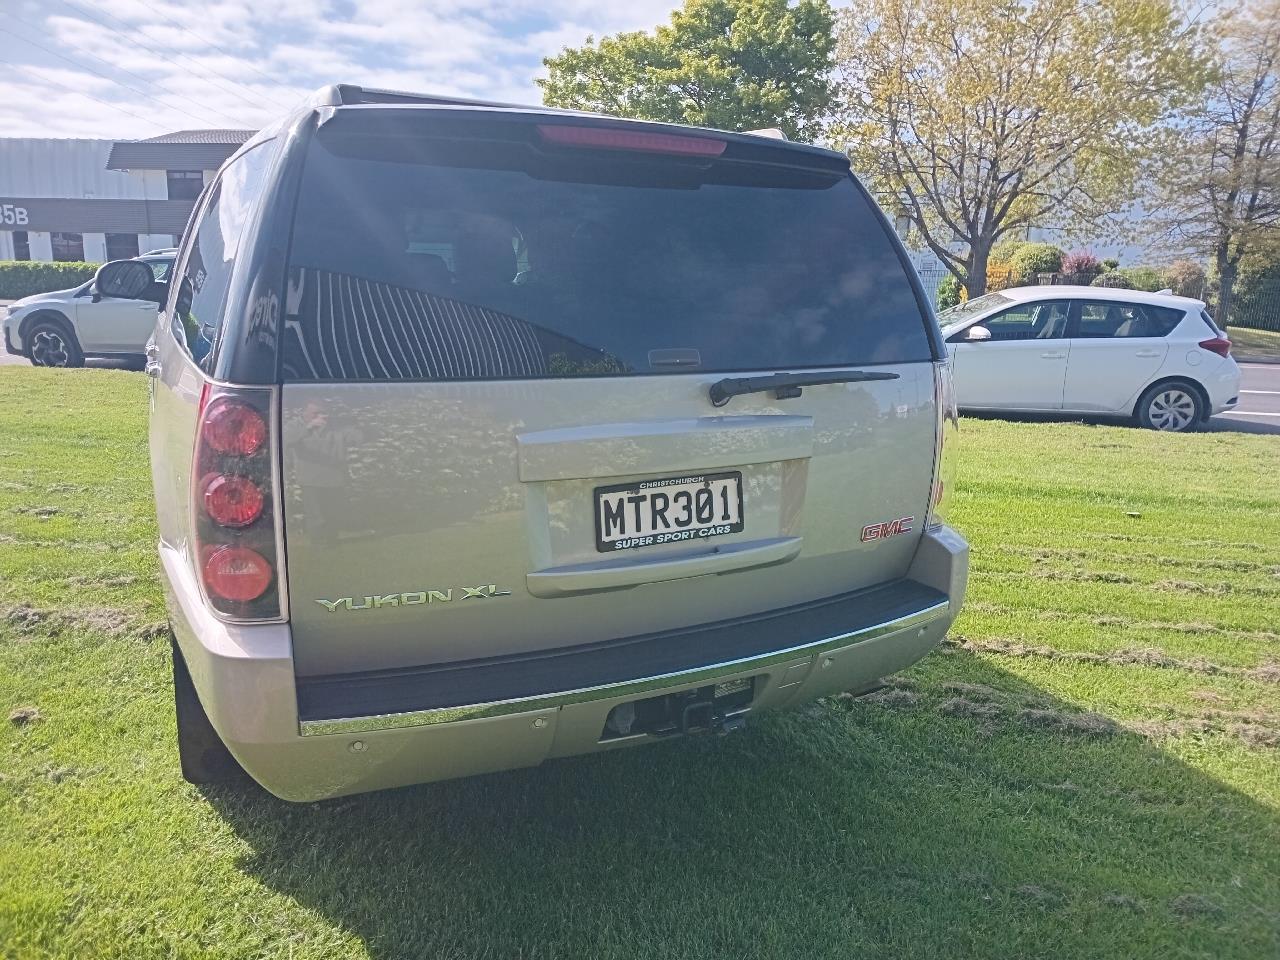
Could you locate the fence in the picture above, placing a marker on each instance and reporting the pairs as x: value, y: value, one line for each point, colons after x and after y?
x: 1257, y: 301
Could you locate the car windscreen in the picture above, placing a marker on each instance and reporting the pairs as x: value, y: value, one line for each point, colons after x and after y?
x: 971, y: 308
x: 453, y: 262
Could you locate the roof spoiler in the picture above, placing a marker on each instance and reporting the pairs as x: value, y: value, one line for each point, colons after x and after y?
x: 346, y: 94
x: 773, y: 133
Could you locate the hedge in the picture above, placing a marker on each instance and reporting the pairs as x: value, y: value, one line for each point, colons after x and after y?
x: 22, y: 278
x: 1113, y: 278
x: 1035, y: 258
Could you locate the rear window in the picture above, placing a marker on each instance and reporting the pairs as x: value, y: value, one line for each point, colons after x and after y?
x: 1112, y: 319
x: 474, y: 264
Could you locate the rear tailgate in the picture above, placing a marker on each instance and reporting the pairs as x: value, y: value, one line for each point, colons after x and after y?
x: 497, y: 435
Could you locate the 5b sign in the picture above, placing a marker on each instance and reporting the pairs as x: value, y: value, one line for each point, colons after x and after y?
x: 12, y: 216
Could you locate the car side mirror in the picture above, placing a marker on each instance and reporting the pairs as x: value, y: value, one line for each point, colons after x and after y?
x: 123, y: 280
x: 977, y: 333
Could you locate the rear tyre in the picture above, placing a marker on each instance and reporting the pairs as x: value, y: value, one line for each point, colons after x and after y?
x: 204, y: 757
x: 52, y: 344
x: 1173, y: 407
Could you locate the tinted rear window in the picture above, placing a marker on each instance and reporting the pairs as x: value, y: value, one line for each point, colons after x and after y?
x: 461, y: 263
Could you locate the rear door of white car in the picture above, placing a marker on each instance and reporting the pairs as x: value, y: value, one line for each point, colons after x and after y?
x: 1024, y: 364
x: 1116, y: 350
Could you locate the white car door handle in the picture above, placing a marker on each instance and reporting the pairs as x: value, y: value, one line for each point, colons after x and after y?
x: 1053, y: 355
x: 1147, y: 353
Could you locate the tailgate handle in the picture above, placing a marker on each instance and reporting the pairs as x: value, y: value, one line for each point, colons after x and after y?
x: 620, y: 574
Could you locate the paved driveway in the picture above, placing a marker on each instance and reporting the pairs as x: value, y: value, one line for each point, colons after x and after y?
x: 1259, y: 410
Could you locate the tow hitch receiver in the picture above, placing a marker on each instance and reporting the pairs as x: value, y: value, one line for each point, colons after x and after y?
x: 712, y: 709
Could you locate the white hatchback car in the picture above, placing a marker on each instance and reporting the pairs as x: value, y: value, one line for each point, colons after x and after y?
x: 63, y: 327
x: 1152, y: 356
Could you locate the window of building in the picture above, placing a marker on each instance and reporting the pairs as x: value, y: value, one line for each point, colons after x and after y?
x: 21, y: 245
x: 122, y: 246
x: 184, y: 184
x: 68, y: 246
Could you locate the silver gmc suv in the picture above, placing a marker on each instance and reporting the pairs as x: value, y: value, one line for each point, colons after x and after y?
x: 486, y: 434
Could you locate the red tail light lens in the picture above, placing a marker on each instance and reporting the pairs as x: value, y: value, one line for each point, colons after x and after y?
x: 232, y: 501
x: 233, y: 428
x: 1219, y: 345
x: 235, y: 504
x: 638, y: 141
x: 237, y: 573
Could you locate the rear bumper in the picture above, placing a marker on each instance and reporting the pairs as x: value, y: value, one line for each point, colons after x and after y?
x: 316, y: 739
x: 1223, y: 387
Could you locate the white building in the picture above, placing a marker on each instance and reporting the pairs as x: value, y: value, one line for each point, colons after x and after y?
x: 99, y: 200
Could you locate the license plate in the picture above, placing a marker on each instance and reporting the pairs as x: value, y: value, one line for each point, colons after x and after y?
x: 648, y: 513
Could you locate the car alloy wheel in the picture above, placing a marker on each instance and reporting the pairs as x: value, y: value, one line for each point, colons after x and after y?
x: 1172, y: 409
x: 49, y: 349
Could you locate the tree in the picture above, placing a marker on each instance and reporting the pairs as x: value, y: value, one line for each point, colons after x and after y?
x: 1221, y: 188
x: 983, y: 118
x: 732, y: 64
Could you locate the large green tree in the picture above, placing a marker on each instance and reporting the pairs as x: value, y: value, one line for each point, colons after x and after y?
x: 732, y: 64
x: 979, y: 119
x: 1221, y: 186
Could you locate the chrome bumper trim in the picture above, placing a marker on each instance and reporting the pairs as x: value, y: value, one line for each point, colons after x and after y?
x: 550, y: 701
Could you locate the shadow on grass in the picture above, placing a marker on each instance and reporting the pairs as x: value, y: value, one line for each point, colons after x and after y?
x: 842, y: 829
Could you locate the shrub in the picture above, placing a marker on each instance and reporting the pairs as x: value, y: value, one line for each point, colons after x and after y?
x: 1035, y: 258
x: 1112, y: 278
x: 1004, y: 251
x: 1001, y: 276
x: 1081, y: 263
x: 1185, y: 278
x: 948, y: 292
x: 22, y: 278
x: 1110, y: 264
x: 1144, y: 278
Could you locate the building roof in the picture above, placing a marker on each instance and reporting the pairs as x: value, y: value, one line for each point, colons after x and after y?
x: 201, y: 136
x: 182, y: 150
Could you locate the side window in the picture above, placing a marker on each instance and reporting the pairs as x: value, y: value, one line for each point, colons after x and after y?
x: 1106, y: 319
x: 1030, y: 321
x: 203, y: 273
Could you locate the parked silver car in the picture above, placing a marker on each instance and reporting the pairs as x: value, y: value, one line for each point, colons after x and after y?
x: 483, y: 435
x: 62, y: 328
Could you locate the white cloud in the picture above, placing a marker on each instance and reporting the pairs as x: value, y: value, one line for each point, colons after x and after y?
x: 157, y: 65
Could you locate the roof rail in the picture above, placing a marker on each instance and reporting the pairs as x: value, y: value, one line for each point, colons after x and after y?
x: 343, y: 94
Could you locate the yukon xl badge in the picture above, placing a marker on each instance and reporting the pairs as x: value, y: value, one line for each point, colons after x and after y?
x: 414, y: 597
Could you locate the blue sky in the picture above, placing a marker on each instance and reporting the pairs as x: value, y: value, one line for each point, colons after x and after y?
x: 136, y: 68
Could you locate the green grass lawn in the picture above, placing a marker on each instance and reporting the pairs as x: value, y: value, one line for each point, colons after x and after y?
x: 1262, y: 344
x: 1089, y: 768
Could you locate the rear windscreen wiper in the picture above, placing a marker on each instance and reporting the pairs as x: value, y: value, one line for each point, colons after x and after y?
x: 787, y: 385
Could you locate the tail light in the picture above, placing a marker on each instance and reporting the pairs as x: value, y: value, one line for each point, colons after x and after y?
x: 1219, y: 345
x: 948, y: 424
x: 235, y: 504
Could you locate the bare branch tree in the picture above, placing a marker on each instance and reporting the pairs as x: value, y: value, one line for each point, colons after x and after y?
x: 982, y: 119
x: 1220, y: 192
